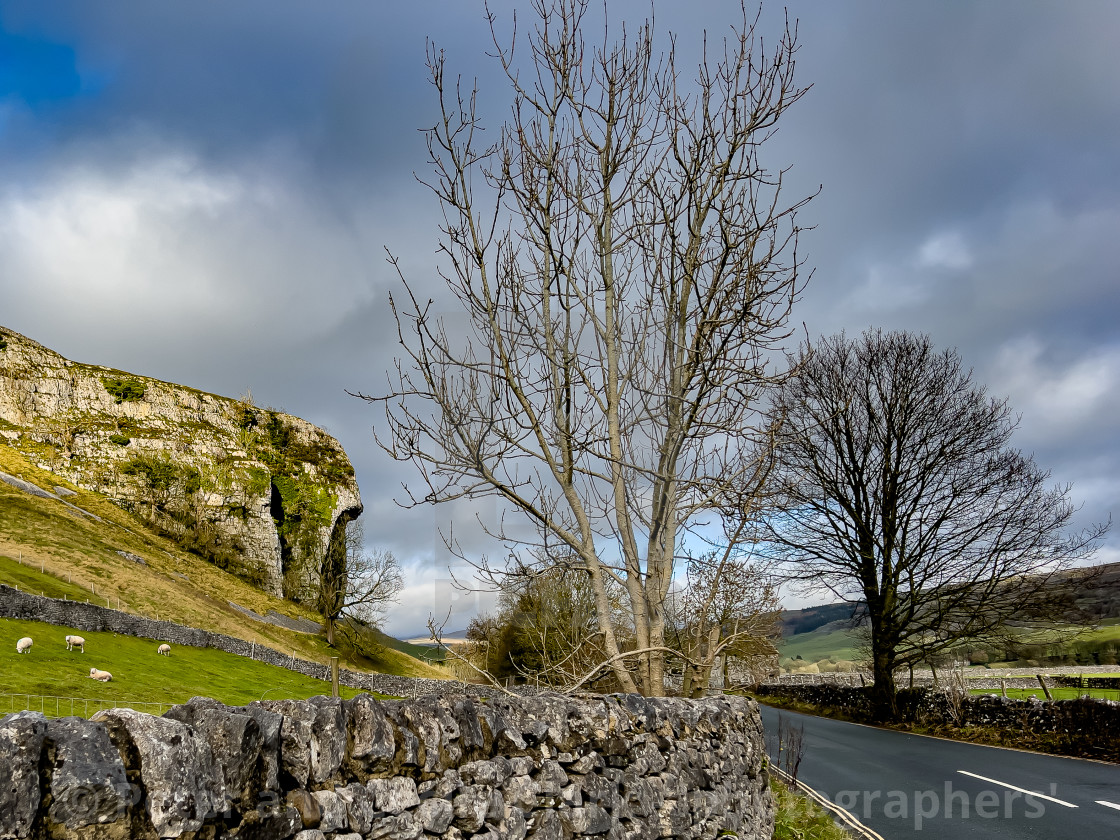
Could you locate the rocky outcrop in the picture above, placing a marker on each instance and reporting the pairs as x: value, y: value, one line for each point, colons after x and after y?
x: 549, y: 766
x: 260, y: 492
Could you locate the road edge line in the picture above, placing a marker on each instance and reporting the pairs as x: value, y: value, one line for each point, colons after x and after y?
x: 846, y: 817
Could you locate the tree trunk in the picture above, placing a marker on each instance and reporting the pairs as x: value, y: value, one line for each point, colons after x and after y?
x: 884, y: 703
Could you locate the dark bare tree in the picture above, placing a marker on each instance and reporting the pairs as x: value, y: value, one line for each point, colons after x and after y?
x: 625, y: 261
x: 902, y: 490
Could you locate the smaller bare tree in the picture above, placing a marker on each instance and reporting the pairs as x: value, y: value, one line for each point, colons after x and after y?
x: 728, y: 610
x: 356, y: 584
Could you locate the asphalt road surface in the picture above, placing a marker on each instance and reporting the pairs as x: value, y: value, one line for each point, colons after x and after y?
x: 902, y: 785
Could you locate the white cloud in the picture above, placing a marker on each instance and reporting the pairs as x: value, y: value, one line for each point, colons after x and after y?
x: 168, y: 241
x: 1057, y: 397
x: 885, y: 289
x: 945, y: 250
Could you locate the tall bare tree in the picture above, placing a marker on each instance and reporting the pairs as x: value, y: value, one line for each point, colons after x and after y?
x: 625, y: 261
x: 903, y: 491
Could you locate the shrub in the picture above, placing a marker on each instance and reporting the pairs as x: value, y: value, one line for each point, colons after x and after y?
x: 124, y: 390
x: 3, y: 342
x: 120, y: 440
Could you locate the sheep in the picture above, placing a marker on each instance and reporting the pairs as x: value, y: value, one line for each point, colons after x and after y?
x: 103, y: 676
x: 164, y: 650
x: 23, y: 645
x: 75, y: 642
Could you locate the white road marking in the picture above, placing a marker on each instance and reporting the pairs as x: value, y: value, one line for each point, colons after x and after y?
x: 1108, y: 804
x: 1035, y: 794
x: 845, y: 816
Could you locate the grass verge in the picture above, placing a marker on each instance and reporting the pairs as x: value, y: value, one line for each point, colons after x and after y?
x: 799, y: 818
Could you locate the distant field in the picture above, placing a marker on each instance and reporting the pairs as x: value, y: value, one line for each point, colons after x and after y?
x: 1056, y: 693
x: 821, y: 644
x: 140, y: 675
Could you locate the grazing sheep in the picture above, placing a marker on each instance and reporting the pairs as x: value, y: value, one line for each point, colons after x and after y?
x: 103, y: 676
x: 75, y: 642
x: 23, y: 645
x: 164, y: 650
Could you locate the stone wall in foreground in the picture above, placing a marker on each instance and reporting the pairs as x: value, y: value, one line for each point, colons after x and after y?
x: 548, y: 767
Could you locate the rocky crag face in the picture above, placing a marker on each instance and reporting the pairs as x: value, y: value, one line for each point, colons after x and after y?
x: 261, y: 493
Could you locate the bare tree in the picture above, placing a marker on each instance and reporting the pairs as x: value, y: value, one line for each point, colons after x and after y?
x: 355, y: 583
x: 902, y: 491
x: 625, y: 262
x: 728, y: 610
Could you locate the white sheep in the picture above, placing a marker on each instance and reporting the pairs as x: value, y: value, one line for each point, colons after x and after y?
x: 102, y: 676
x: 75, y: 642
x: 164, y: 650
x: 23, y: 645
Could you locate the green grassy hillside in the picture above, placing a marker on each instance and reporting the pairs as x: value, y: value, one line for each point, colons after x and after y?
x: 821, y: 644
x: 80, y: 556
x: 140, y: 675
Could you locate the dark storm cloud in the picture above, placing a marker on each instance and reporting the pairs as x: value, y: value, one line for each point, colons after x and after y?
x: 206, y: 195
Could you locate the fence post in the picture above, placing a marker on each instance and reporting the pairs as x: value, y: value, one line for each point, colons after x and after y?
x: 1045, y: 690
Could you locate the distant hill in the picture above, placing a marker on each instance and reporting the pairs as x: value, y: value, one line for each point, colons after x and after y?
x: 829, y: 631
x: 796, y: 622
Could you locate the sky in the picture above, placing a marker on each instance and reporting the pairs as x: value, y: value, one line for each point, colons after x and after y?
x: 206, y: 196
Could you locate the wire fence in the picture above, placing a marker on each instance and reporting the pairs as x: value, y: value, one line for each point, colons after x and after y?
x: 53, y: 706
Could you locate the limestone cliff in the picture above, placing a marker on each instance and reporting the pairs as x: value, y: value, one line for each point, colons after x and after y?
x: 256, y: 491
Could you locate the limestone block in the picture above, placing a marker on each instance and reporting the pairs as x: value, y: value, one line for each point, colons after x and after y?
x: 551, y: 778
x: 471, y: 806
x: 359, y: 806
x: 236, y: 742
x: 521, y: 791
x: 21, y: 744
x: 181, y: 780
x: 483, y: 773
x: 393, y: 795
x: 403, y: 826
x: 435, y: 815
x: 588, y: 820
x: 89, y: 789
x: 333, y: 810
x: 370, y: 741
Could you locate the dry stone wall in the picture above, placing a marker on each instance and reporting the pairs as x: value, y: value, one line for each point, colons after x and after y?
x: 448, y: 766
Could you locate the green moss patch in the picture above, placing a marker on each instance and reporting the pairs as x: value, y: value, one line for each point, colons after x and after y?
x: 124, y: 390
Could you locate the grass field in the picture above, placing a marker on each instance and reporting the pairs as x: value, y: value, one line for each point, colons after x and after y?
x: 821, y: 644
x: 140, y: 675
x: 1056, y: 693
x: 31, y: 579
x: 80, y: 556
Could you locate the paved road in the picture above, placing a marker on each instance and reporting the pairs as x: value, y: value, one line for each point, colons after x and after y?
x: 904, y: 785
